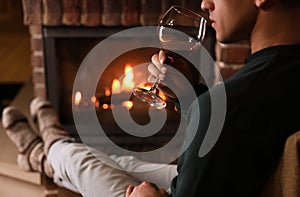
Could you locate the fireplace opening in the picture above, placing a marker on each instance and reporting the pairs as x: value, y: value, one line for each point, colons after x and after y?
x: 64, y: 50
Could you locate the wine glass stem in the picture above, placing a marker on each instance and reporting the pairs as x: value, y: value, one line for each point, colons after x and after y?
x: 154, y: 86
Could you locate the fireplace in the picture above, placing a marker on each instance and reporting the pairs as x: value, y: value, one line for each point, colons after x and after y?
x: 64, y: 50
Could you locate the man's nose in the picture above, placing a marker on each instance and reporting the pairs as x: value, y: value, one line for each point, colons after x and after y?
x: 207, y: 5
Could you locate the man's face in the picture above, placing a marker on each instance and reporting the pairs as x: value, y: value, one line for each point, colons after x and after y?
x: 233, y: 20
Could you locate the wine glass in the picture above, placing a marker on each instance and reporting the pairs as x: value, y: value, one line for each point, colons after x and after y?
x: 178, y: 29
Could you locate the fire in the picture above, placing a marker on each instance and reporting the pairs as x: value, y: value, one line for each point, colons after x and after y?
x: 77, y: 98
x: 162, y: 95
x: 105, y: 106
x: 116, y: 86
x: 127, y: 104
x: 94, y: 99
x: 128, y: 83
x: 145, y: 86
x: 107, y: 92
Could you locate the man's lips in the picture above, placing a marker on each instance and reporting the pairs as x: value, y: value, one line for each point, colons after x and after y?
x: 212, y: 22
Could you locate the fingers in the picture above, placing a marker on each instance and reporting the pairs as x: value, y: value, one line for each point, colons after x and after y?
x: 162, y: 192
x: 157, y: 68
x: 158, y: 61
x: 153, y: 185
x: 145, y: 189
x: 162, y: 56
x: 155, y: 72
x: 129, y: 190
x: 152, y: 79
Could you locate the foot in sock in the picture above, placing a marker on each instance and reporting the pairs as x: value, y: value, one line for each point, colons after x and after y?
x: 46, y: 118
x: 30, y: 146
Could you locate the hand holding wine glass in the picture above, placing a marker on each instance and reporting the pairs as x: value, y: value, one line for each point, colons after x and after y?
x: 179, y: 29
x: 158, y: 69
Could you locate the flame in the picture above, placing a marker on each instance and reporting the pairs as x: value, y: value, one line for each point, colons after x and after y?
x: 145, y: 86
x: 94, y: 99
x: 116, y: 86
x: 105, y: 106
x: 127, y: 104
x: 162, y: 95
x: 128, y: 83
x: 107, y: 92
x: 77, y: 98
x: 97, y: 104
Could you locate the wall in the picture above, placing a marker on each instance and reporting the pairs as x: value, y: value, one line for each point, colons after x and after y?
x: 230, y: 57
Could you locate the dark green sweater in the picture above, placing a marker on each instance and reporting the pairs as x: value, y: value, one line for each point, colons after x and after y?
x: 263, y: 109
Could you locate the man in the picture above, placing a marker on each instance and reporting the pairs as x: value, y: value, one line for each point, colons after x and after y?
x: 262, y: 100
x: 262, y: 103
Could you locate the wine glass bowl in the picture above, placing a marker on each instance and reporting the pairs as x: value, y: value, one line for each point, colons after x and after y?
x: 181, y: 29
x: 178, y: 29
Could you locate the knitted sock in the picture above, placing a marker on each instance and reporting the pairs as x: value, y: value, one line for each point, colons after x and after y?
x: 29, y: 145
x: 46, y: 118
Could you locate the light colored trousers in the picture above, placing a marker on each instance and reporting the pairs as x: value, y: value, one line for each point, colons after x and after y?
x: 93, y: 173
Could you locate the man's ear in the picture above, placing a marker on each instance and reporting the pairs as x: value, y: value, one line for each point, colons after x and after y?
x: 260, y: 3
